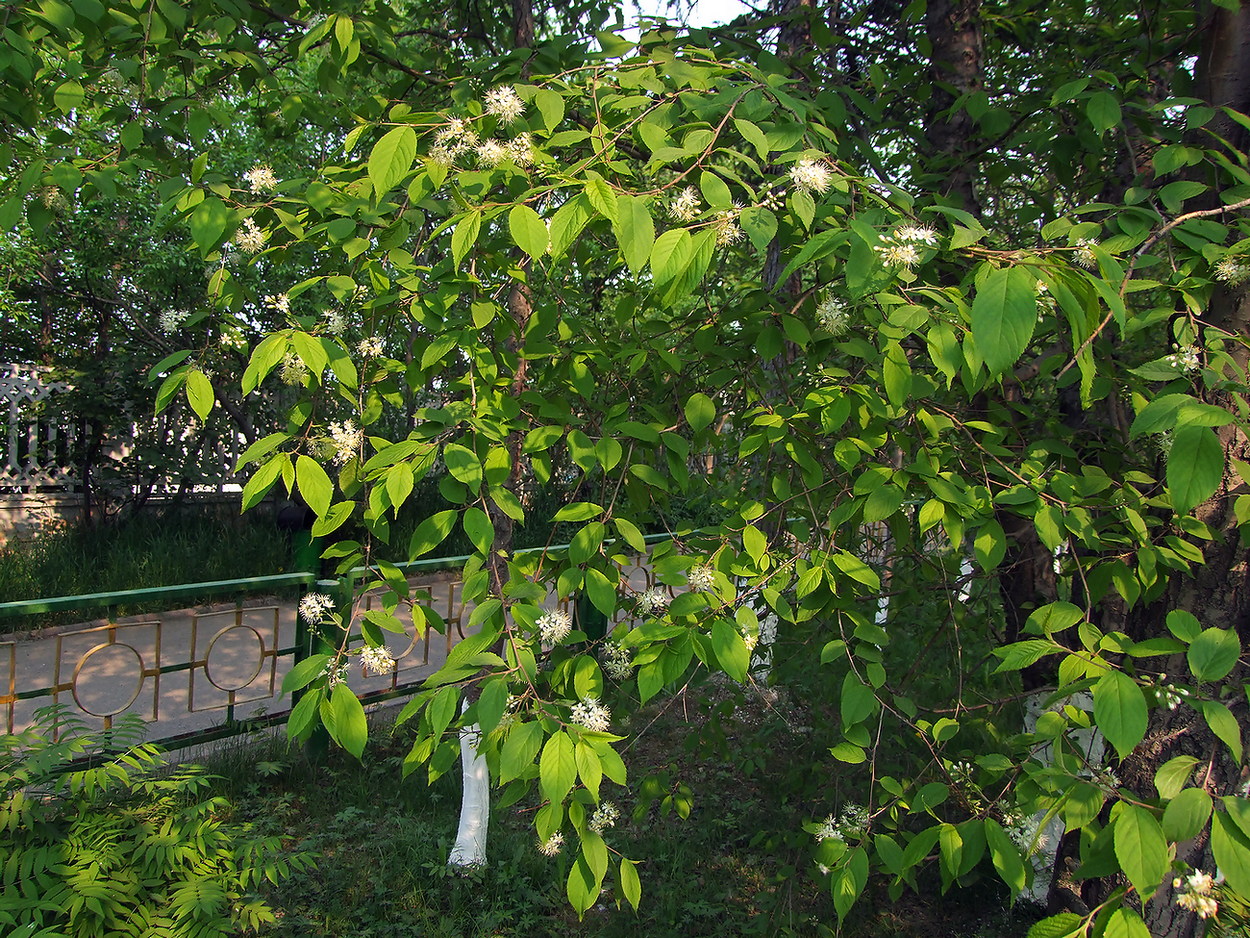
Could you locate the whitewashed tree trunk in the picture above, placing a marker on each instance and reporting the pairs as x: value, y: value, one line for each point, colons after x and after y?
x: 470, y: 847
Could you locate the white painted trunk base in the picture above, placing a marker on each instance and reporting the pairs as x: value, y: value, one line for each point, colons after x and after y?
x: 470, y: 847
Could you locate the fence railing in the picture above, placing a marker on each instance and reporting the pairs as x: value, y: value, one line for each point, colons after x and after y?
x: 210, y: 672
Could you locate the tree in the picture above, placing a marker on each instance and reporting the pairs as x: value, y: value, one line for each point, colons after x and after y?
x: 627, y: 263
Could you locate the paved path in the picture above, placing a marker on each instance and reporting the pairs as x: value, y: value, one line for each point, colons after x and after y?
x: 189, y: 670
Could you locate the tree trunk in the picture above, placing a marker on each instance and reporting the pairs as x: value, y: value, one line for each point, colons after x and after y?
x: 953, y: 28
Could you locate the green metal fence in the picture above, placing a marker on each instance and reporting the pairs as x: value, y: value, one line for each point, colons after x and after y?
x: 209, y: 672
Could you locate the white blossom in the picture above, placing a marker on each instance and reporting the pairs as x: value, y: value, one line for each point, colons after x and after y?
x: 249, y: 237
x: 336, y: 322
x: 617, y: 661
x: 504, y: 103
x: 727, y: 229
x: 1195, y: 893
x: 172, y: 319
x: 492, y: 153
x: 279, y: 302
x: 811, y: 175
x: 260, y: 179
x: 899, y: 255
x: 1232, y: 270
x: 314, y: 607
x: 369, y: 347
x: 551, y: 846
x: 292, y: 371
x: 652, y: 601
x: 554, y: 626
x: 591, y: 714
x: 376, y: 659
x: 702, y: 577
x: 1186, y: 359
x: 521, y: 149
x: 347, y: 439
x: 917, y: 234
x: 686, y: 206
x: 335, y: 673
x: 833, y: 315
x: 604, y: 817
x: 1084, y: 253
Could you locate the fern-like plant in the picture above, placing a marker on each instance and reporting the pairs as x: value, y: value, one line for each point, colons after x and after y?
x: 123, y: 846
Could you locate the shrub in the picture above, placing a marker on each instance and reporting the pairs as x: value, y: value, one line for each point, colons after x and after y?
x: 121, y: 845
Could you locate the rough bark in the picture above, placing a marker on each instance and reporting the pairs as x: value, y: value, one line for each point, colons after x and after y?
x: 953, y: 28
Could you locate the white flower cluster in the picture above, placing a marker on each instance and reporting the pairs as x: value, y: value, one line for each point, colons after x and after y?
x: 604, y: 817
x: 1026, y: 833
x: 833, y: 315
x: 853, y: 823
x: 617, y: 661
x: 369, y: 347
x: 347, y: 439
x: 336, y: 322
x: 702, y: 577
x: 554, y: 626
x: 900, y: 249
x: 1186, y: 359
x: 518, y: 150
x: 686, y: 206
x: 249, y: 237
x: 1169, y: 695
x: 591, y: 714
x: 1195, y: 893
x: 335, y: 673
x: 452, y: 140
x: 1232, y: 270
x: 1084, y: 253
x: 726, y: 224
x: 811, y: 175
x: 551, y: 846
x: 292, y: 371
x: 376, y: 660
x: 172, y: 319
x: 278, y: 302
x: 652, y: 601
x: 314, y: 608
x: 260, y: 179
x: 504, y: 103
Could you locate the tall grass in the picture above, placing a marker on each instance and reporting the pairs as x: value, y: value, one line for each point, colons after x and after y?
x: 147, y: 550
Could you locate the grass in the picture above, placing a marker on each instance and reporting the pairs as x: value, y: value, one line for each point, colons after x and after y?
x: 748, y: 776
x: 147, y: 550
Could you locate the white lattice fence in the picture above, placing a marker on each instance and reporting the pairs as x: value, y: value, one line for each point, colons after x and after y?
x: 37, y: 448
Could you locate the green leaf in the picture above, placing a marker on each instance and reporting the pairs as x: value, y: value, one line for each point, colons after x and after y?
x: 464, y: 235
x: 1125, y: 923
x: 601, y: 196
x: 1195, y: 467
x: 68, y: 96
x: 528, y: 230
x: 557, y: 768
x: 1063, y: 925
x: 1186, y: 814
x: 1120, y: 711
x: 463, y: 465
x: 314, y: 485
x: 1224, y: 725
x: 631, y: 885
x: 731, y: 650
x: 700, y: 411
x: 304, y: 673
x: 1019, y: 655
x: 344, y: 719
x: 1103, y: 110
x: 858, y: 700
x: 630, y: 534
x: 635, y: 232
x: 848, y: 881
x: 1141, y: 849
x: 199, y: 393
x: 1006, y: 857
x: 990, y: 545
x: 334, y: 519
x: 1213, y: 654
x: 391, y: 158
x: 760, y: 225
x: 519, y: 750
x: 1231, y: 848
x: 1172, y: 776
x: 208, y: 224
x: 430, y: 533
x: 479, y: 529
x: 551, y: 106
x: 671, y: 255
x: 1004, y: 315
